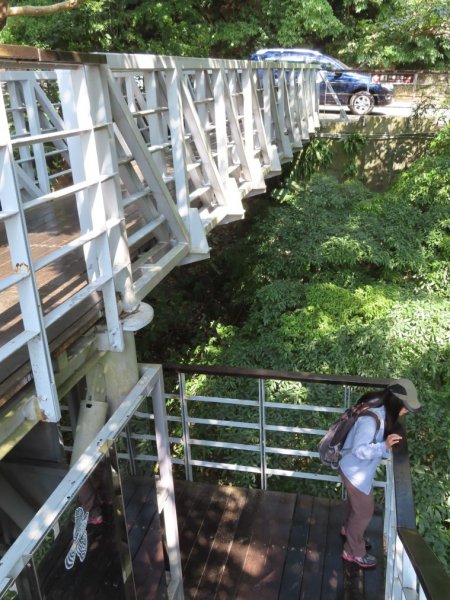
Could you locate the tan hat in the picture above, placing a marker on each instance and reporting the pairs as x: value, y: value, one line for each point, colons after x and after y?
x: 405, y: 390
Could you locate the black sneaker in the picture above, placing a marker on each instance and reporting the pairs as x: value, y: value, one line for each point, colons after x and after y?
x: 365, y: 562
x: 367, y: 541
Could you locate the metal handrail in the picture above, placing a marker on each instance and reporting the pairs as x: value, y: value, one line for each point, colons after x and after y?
x: 352, y: 380
x: 411, y: 548
x: 15, y: 561
x: 413, y: 570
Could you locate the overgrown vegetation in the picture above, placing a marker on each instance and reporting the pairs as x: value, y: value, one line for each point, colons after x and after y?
x: 335, y: 279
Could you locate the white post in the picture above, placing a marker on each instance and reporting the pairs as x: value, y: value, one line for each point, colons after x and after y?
x: 166, y: 497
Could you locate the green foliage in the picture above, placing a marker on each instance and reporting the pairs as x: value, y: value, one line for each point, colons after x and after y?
x: 398, y: 33
x: 303, y: 21
x: 354, y: 143
x: 338, y: 279
x: 177, y: 27
x: 316, y: 156
x: 87, y: 28
x: 375, y: 33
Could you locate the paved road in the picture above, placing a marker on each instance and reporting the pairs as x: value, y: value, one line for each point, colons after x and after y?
x: 398, y: 108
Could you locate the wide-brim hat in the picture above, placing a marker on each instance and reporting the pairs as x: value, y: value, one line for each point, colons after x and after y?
x: 405, y: 390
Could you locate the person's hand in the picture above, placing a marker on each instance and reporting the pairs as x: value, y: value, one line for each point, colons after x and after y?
x: 392, y: 439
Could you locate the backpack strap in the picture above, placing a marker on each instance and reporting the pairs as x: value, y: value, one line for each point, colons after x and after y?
x: 368, y: 413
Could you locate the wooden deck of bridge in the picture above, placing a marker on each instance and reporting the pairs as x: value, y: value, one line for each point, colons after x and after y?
x: 235, y: 544
x: 240, y: 543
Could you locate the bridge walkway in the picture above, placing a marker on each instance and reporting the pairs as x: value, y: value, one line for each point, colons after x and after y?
x: 235, y: 543
x: 115, y: 168
x: 242, y: 543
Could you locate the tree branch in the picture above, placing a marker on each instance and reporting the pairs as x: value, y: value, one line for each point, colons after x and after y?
x: 39, y: 11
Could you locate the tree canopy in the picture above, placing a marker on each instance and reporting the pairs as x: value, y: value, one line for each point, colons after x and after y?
x: 381, y: 33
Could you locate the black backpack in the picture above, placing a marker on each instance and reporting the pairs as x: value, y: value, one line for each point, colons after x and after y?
x: 330, y: 445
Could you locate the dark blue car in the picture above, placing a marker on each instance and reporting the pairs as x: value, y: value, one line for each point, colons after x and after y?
x: 338, y: 84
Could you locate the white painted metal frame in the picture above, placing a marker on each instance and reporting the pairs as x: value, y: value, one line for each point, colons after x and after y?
x: 178, y: 141
x: 150, y: 384
x: 34, y: 331
x: 218, y: 130
x: 401, y: 579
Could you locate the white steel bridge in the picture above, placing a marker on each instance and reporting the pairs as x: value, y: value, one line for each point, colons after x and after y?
x: 113, y: 170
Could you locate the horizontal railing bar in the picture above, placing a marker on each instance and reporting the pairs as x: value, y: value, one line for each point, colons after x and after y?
x: 203, y: 100
x: 277, y: 375
x: 226, y: 445
x: 300, y: 475
x: 7, y: 214
x: 61, y: 310
x: 74, y: 244
x: 149, y: 111
x: 291, y: 452
x: 66, y: 192
x: 59, y: 174
x: 127, y: 200
x: 39, y: 55
x: 145, y: 230
x: 147, y: 437
x: 13, y: 279
x: 212, y: 399
x: 54, y: 135
x: 17, y: 342
x: 305, y: 407
x: 225, y: 466
x: 219, y: 422
x: 285, y: 429
x: 199, y: 192
x: 148, y: 458
x: 159, y: 147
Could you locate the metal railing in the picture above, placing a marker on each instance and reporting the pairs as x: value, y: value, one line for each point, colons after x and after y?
x: 126, y: 162
x: 424, y: 94
x: 413, y: 571
x: 261, y: 424
x: 20, y: 571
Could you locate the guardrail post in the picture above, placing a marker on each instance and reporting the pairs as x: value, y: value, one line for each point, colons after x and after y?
x: 185, y: 425
x: 390, y: 528
x: 167, y: 503
x: 130, y: 448
x: 347, y: 396
x: 262, y: 432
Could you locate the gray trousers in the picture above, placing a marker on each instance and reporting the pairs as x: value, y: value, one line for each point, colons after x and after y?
x: 360, y: 508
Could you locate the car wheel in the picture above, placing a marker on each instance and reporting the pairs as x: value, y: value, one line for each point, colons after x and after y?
x: 361, y: 103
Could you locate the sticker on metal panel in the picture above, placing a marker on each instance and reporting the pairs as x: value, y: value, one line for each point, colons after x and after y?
x: 80, y: 540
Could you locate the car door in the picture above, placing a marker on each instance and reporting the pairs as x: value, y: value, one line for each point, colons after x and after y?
x: 332, y: 87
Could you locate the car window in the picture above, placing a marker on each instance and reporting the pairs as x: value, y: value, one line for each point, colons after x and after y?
x: 327, y: 63
x: 333, y: 64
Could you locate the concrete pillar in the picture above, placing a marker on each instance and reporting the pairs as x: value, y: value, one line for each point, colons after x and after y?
x: 91, y: 418
x: 121, y: 372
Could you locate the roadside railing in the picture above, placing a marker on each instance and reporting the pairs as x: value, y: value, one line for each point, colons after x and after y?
x: 397, y: 93
x: 277, y: 425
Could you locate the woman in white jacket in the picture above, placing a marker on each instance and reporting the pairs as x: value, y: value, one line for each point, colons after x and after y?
x: 361, y: 455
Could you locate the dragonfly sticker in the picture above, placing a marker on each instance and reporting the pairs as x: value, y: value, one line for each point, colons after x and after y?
x: 80, y: 541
